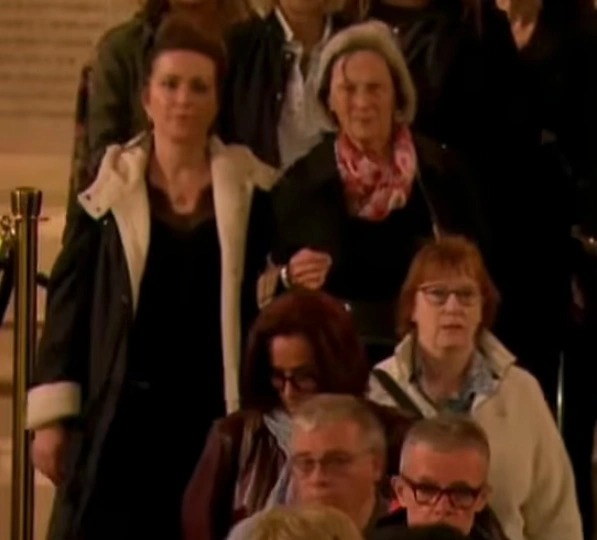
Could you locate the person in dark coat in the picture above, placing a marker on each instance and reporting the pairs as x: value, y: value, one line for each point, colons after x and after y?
x: 272, y: 103
x: 146, y: 307
x: 351, y: 214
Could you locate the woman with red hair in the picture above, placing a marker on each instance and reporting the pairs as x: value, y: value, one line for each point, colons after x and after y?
x: 449, y: 361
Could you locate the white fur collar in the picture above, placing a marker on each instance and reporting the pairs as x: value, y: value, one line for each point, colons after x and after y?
x: 123, y: 169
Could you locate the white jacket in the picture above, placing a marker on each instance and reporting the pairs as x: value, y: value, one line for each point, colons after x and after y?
x: 533, y: 491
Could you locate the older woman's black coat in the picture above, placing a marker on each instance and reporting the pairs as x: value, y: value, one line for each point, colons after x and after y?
x: 310, y: 211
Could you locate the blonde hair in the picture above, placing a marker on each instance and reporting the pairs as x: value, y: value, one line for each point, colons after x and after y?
x: 265, y: 7
x: 312, y: 522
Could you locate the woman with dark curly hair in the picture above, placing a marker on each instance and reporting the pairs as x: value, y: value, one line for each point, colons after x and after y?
x: 303, y: 343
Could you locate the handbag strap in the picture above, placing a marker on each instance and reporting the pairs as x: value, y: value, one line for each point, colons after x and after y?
x: 393, y: 389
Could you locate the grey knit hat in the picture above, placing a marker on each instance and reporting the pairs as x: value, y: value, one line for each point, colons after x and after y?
x: 377, y: 37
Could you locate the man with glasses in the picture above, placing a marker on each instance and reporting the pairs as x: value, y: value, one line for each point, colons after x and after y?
x: 337, y: 459
x: 338, y: 450
x: 443, y: 480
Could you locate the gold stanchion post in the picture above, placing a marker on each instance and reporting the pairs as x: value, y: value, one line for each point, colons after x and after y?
x: 26, y: 207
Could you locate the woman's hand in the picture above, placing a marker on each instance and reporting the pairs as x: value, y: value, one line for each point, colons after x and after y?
x: 48, y: 451
x: 309, y: 269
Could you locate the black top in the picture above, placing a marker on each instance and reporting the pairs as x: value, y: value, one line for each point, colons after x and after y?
x: 376, y: 258
x: 174, y: 383
x: 175, y: 344
x: 466, y: 71
x: 393, y: 527
x: 370, y: 260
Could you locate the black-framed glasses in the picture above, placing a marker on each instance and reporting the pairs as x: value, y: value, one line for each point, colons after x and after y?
x: 438, y: 295
x: 300, y: 381
x: 461, y: 496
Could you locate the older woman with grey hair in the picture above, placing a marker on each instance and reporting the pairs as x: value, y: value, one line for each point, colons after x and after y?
x: 270, y: 94
x: 350, y: 214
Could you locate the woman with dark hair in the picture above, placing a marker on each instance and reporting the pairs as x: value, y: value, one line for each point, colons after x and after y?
x: 110, y: 109
x: 115, y: 111
x: 146, y: 305
x: 270, y: 96
x: 301, y: 344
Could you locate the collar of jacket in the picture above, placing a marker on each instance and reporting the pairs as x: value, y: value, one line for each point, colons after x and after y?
x: 500, y: 358
x: 289, y: 33
x: 274, y: 27
x: 123, y: 170
x: 120, y: 189
x: 148, y: 30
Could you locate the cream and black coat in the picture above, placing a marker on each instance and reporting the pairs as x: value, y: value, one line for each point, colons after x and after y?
x: 94, y: 291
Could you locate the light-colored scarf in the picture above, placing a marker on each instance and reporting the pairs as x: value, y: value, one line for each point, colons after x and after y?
x: 372, y: 187
x: 279, y: 425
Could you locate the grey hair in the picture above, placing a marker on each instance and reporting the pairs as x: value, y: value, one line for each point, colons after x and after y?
x: 445, y: 433
x: 264, y: 7
x: 324, y: 409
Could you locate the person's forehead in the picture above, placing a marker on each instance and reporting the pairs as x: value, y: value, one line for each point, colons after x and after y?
x: 464, y: 463
x: 362, y: 62
x: 448, y: 275
x: 328, y: 436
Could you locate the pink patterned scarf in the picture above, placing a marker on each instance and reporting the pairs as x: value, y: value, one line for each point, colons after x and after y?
x: 372, y: 186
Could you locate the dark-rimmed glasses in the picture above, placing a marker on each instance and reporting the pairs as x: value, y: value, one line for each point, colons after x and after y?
x: 461, y: 496
x: 438, y: 295
x: 300, y: 381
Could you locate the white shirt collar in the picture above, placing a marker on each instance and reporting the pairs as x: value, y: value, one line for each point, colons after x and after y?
x: 289, y: 34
